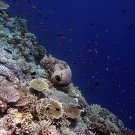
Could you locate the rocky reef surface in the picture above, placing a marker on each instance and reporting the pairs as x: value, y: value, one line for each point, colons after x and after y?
x: 36, y: 93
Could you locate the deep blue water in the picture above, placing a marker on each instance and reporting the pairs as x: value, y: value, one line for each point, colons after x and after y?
x: 97, y: 41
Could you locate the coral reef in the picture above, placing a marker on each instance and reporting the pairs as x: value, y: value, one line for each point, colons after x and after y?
x: 36, y: 93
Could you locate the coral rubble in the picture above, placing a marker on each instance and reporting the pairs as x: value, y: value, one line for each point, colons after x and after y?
x: 36, y: 93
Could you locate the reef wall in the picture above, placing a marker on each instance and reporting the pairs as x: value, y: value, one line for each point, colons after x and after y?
x: 36, y: 93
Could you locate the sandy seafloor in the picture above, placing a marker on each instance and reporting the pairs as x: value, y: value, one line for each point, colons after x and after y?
x: 36, y: 93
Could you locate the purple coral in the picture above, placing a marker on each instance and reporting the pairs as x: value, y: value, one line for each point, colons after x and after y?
x: 9, y: 94
x: 6, y: 72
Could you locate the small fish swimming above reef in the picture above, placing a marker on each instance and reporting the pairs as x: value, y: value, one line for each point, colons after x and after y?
x: 7, y: 50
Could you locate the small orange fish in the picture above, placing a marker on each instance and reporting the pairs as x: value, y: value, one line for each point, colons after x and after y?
x: 8, y: 16
x: 16, y: 4
x: 88, y: 83
x: 33, y: 6
x: 90, y: 50
x: 26, y: 13
x: 83, y: 62
x: 84, y: 46
x: 70, y: 29
x: 41, y: 22
x: 90, y: 62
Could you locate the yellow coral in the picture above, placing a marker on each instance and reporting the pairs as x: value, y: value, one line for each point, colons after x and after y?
x: 49, y: 107
x: 39, y: 85
x: 46, y: 128
x: 72, y: 111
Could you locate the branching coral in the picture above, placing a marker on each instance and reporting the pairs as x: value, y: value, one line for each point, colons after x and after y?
x: 72, y: 90
x: 8, y: 124
x: 24, y: 126
x: 46, y: 128
x: 62, y: 122
x: 94, y: 109
x: 31, y: 105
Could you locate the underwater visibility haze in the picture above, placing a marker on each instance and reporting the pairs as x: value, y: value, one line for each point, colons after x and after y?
x: 61, y: 56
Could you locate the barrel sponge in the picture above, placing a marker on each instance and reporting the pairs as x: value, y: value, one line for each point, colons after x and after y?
x: 59, y: 70
x: 51, y: 107
x: 72, y: 111
x: 39, y: 85
x: 61, y: 77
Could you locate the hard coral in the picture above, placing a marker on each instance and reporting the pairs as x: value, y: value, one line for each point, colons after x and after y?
x: 72, y: 111
x: 39, y: 85
x: 24, y: 124
x: 6, y: 72
x: 129, y: 132
x: 30, y: 35
x: 39, y: 53
x: 61, y: 97
x: 49, y: 107
x: 3, y: 107
x: 48, y: 63
x: 31, y: 105
x: 22, y: 101
x: 9, y: 94
x: 46, y: 128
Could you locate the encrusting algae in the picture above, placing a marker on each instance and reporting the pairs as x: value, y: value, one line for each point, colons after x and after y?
x: 60, y: 108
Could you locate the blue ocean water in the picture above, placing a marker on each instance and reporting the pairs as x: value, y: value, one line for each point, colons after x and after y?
x: 96, y: 38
